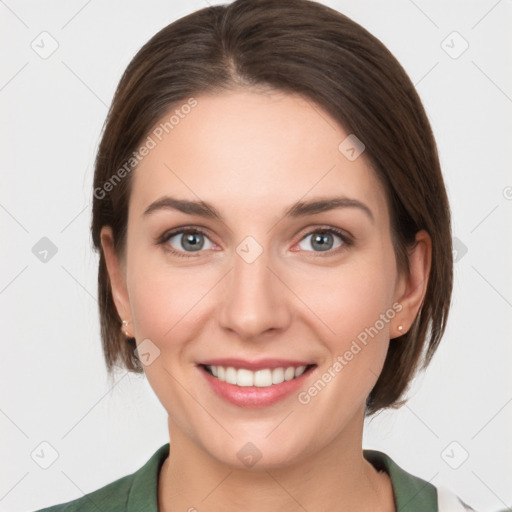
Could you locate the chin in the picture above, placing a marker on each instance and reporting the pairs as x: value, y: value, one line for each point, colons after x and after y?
x: 259, y: 454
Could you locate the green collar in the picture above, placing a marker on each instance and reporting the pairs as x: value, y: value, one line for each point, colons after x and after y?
x: 412, y: 494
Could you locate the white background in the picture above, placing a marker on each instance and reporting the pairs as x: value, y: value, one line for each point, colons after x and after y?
x: 54, y: 382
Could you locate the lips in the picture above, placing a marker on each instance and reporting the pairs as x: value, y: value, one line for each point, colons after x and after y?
x: 255, y: 383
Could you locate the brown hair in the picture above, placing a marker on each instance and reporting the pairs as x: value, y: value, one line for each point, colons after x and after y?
x: 295, y: 46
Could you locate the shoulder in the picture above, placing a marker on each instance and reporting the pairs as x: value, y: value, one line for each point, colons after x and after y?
x: 413, y: 494
x: 110, y: 498
x: 134, y: 492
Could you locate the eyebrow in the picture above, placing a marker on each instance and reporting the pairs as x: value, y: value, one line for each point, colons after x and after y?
x: 298, y: 209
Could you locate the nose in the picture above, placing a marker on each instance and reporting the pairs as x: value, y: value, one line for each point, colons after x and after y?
x: 254, y: 299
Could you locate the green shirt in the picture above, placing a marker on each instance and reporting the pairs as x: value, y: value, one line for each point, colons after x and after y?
x: 138, y: 492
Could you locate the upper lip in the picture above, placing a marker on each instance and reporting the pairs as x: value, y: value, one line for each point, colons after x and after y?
x: 255, y: 365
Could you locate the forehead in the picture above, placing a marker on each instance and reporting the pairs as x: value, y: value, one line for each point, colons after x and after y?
x: 253, y: 151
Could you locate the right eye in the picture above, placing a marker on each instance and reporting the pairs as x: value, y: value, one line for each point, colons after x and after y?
x: 185, y: 240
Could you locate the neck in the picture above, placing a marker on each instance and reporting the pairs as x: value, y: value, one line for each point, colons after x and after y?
x: 337, y: 478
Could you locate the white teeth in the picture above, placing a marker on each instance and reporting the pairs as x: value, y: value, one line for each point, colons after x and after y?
x: 289, y: 373
x: 263, y: 378
x: 299, y: 371
x: 277, y: 375
x: 260, y: 378
x: 244, y: 377
x: 230, y: 376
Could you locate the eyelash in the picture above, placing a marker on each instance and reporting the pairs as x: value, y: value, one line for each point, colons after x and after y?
x: 346, y: 239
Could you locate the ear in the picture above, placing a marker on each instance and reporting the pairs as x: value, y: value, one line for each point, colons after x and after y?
x: 411, y: 288
x: 117, y: 274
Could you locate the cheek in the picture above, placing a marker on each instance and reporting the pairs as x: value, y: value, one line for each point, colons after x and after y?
x: 354, y: 296
x: 165, y: 299
x: 356, y: 303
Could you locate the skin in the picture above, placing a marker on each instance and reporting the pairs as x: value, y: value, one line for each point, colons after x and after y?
x: 252, y: 154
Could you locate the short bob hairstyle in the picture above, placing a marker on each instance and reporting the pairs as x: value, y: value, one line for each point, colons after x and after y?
x: 298, y: 47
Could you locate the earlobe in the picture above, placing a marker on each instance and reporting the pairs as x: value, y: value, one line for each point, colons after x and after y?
x: 414, y: 285
x: 116, y: 275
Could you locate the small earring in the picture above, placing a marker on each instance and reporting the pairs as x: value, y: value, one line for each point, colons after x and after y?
x: 400, y: 327
x: 123, y: 328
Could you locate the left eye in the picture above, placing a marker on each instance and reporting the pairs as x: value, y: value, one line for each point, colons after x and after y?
x: 323, y: 240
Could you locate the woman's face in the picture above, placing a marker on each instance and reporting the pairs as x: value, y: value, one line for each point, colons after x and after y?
x: 267, y: 284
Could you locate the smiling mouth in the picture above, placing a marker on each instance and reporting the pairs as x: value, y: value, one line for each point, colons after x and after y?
x: 263, y: 378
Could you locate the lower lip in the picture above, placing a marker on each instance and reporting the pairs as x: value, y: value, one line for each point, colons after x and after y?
x: 254, y: 396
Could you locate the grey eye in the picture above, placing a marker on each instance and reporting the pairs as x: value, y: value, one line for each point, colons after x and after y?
x: 189, y: 241
x: 322, y: 240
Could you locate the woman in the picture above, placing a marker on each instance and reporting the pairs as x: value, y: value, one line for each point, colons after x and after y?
x: 275, y: 255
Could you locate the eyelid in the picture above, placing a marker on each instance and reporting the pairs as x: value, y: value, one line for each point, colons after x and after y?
x: 182, y: 229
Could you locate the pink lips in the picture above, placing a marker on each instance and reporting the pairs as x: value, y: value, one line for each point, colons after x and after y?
x: 253, y: 396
